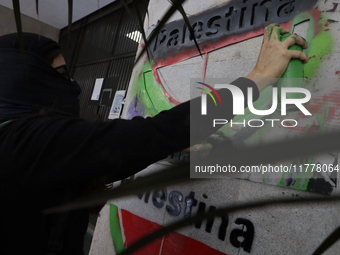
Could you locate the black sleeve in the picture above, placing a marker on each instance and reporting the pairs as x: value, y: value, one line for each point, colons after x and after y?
x: 60, y: 149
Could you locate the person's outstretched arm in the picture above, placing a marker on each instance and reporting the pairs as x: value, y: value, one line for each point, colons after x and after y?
x: 56, y: 149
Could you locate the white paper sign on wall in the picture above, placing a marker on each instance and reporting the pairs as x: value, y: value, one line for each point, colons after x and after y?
x: 97, y: 88
x: 116, y: 108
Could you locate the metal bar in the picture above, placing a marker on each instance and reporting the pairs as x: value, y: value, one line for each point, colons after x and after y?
x: 111, y: 63
x: 101, y: 49
x: 106, y: 10
x: 76, y: 53
x: 124, y: 55
x: 115, y: 39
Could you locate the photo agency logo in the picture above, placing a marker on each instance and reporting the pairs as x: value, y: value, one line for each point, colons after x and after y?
x: 239, y: 101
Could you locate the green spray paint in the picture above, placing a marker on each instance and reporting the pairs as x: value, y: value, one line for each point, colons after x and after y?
x: 151, y: 95
x: 319, y: 46
x: 304, y: 16
x: 322, y: 114
x: 305, y: 175
x: 149, y: 92
x: 116, y: 232
x: 155, y: 93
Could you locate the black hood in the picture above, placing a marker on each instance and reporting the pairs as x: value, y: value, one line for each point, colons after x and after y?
x: 28, y: 84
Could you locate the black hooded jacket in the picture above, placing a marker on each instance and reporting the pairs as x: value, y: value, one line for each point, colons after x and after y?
x: 46, y: 160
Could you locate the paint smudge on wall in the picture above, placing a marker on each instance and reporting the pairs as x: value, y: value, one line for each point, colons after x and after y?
x: 136, y: 227
x: 319, y: 46
x: 148, y: 97
x: 335, y: 6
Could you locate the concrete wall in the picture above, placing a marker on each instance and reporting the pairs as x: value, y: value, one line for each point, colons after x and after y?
x: 7, y: 25
x: 297, y: 229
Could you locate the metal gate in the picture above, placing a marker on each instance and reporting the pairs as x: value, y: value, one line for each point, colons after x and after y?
x: 102, y: 45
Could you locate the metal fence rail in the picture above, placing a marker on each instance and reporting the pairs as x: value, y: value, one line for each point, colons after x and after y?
x: 102, y: 45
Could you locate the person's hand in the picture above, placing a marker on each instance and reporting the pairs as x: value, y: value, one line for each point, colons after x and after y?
x: 275, y: 56
x: 199, y: 147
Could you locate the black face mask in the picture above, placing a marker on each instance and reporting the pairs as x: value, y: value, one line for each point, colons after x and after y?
x: 28, y: 84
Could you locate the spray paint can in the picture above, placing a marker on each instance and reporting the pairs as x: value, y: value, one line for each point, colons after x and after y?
x: 293, y: 76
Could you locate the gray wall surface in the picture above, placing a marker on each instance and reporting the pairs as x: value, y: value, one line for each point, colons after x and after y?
x: 278, y: 229
x: 7, y: 25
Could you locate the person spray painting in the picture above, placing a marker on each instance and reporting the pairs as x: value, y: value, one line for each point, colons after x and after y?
x: 50, y: 156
